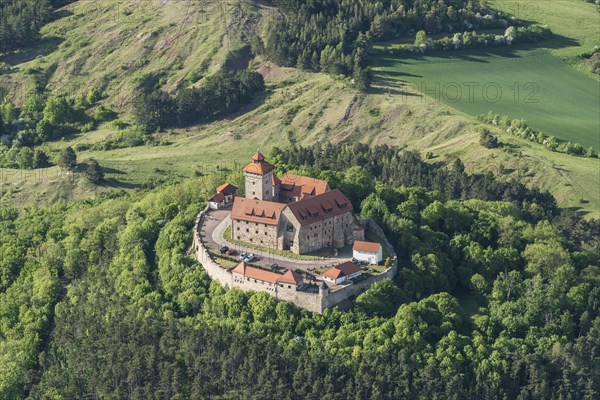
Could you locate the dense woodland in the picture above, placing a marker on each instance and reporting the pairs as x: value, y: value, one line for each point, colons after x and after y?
x: 21, y: 20
x: 494, y: 299
x: 334, y: 36
x: 221, y: 94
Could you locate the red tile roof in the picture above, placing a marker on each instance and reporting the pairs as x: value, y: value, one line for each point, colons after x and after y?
x: 301, y: 186
x: 276, y: 180
x: 259, y: 168
x: 219, y: 197
x: 265, y: 212
x: 227, y: 189
x: 345, y: 269
x: 367, y: 247
x: 267, y: 276
x: 291, y: 277
x: 317, y: 208
x: 258, y: 165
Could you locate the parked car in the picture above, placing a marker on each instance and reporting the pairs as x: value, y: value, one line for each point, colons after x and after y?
x: 274, y: 266
x: 249, y: 257
x: 224, y: 249
x: 231, y: 252
x: 243, y: 256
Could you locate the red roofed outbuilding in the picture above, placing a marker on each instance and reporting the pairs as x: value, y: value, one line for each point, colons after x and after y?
x: 343, y: 272
x: 370, y: 252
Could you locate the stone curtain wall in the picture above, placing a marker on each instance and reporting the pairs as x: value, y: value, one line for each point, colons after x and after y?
x: 213, y: 269
x: 315, y: 302
x: 356, y: 289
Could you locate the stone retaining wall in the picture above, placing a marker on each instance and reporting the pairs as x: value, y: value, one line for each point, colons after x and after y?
x: 315, y: 302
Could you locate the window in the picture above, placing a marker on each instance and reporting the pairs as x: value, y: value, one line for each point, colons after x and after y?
x: 290, y: 228
x: 253, y: 193
x: 247, y: 230
x: 256, y: 231
x: 238, y: 228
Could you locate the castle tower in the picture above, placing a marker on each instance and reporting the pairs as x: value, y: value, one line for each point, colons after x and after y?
x: 259, y: 178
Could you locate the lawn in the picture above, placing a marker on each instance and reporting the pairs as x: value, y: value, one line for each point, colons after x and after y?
x: 529, y: 84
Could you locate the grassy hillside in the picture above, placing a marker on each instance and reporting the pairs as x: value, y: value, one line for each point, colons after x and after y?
x: 115, y: 46
x: 187, y: 42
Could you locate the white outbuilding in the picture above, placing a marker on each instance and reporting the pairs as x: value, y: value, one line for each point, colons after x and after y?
x: 370, y: 252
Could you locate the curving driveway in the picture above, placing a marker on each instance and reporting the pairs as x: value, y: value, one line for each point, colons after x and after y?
x: 217, y: 221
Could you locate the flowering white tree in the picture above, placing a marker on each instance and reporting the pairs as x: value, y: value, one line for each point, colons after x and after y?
x: 457, y: 40
x: 510, y: 34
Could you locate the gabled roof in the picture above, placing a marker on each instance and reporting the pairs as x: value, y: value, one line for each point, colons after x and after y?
x: 246, y: 270
x: 265, y: 212
x: 217, y: 198
x: 302, y: 186
x: 276, y: 180
x: 317, y: 208
x: 366, y: 247
x: 291, y: 277
x: 227, y: 189
x: 345, y: 269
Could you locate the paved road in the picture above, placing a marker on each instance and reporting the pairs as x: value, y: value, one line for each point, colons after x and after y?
x: 216, y: 223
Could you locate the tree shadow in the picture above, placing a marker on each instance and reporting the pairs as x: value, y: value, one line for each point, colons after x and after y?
x: 40, y: 49
x: 383, y: 58
x: 383, y: 85
x: 116, y: 184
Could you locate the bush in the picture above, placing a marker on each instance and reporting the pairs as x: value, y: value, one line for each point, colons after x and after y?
x: 68, y: 159
x: 487, y: 140
x: 94, y: 172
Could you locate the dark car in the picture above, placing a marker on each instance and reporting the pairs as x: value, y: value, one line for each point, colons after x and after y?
x: 231, y: 252
x: 274, y: 266
x: 224, y: 249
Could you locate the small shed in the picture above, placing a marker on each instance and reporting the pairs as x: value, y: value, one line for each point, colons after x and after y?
x: 228, y: 191
x: 343, y: 272
x: 370, y: 252
x: 217, y: 201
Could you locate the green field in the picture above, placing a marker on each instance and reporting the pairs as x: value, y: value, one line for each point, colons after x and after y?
x: 533, y: 85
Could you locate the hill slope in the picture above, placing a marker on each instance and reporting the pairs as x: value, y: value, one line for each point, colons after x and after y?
x: 118, y: 49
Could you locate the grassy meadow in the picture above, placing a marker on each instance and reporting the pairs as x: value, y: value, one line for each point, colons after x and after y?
x: 533, y: 85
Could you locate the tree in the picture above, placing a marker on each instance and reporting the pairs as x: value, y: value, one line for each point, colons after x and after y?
x: 486, y: 139
x: 156, y: 110
x: 40, y: 159
x: 382, y: 298
x: 421, y: 38
x: 94, y: 172
x: 57, y: 111
x: 68, y: 159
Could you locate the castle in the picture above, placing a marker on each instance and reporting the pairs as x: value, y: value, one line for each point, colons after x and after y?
x: 294, y: 213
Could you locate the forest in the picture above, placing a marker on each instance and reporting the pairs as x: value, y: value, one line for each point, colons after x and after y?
x: 222, y: 93
x: 21, y: 20
x: 334, y: 36
x: 496, y: 297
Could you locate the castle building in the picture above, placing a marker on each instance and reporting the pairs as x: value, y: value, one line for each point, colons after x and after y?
x: 294, y: 213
